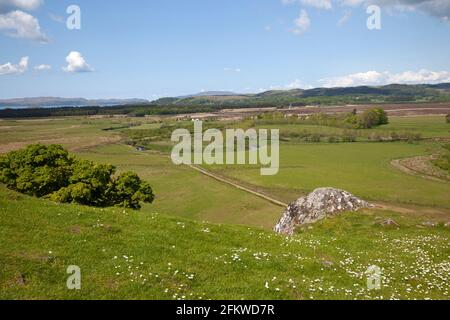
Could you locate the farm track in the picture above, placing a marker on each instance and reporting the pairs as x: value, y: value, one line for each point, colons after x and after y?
x: 238, y: 186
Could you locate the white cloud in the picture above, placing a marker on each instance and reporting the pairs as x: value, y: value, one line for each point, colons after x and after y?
x: 76, y: 63
x: 56, y: 18
x: 42, y: 67
x: 321, y: 4
x: 296, y: 84
x: 20, y: 24
x: 237, y: 70
x: 436, y: 8
x: 422, y: 76
x: 302, y: 23
x: 375, y: 78
x: 19, y: 68
x: 6, y: 5
x: 345, y: 17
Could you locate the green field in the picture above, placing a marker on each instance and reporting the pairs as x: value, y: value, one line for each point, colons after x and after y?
x: 137, y: 255
x: 428, y: 126
x: 361, y: 168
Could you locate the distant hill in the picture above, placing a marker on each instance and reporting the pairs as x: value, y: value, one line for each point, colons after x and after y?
x: 392, y: 93
x: 42, y: 102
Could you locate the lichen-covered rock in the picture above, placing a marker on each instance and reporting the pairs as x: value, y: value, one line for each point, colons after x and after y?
x: 316, y: 206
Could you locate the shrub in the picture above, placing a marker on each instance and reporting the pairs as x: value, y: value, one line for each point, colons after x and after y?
x: 37, y: 170
x: 128, y: 191
x: 48, y: 171
x: 372, y: 118
x: 88, y: 185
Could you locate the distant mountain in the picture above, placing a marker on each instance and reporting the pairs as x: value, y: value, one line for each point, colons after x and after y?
x: 393, y: 93
x: 43, y: 102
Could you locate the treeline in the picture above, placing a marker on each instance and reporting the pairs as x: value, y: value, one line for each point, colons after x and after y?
x: 132, y: 111
x: 366, y: 120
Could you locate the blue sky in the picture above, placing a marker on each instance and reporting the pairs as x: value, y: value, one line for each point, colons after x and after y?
x: 148, y: 49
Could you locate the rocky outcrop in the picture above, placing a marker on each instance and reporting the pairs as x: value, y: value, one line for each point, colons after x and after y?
x: 316, y: 206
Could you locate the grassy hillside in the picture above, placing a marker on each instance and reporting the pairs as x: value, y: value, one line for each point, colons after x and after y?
x: 127, y: 254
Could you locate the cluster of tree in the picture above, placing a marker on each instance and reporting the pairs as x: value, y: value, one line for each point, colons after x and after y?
x: 49, y: 171
x: 367, y: 120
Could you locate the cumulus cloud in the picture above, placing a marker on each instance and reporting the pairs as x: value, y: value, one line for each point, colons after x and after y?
x: 345, y: 17
x: 435, y: 8
x: 42, y: 67
x: 302, y: 23
x: 10, y: 68
x: 76, y: 63
x: 237, y: 70
x: 321, y: 4
x: 6, y: 5
x: 297, y: 84
x: 20, y: 24
x: 374, y: 78
x: 56, y: 18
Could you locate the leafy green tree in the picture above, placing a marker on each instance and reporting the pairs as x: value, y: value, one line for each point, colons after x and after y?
x: 36, y: 170
x: 382, y: 117
x: 49, y: 171
x: 88, y: 184
x: 128, y: 191
x: 373, y: 117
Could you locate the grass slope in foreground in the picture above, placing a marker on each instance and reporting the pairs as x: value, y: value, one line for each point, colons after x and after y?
x: 133, y: 255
